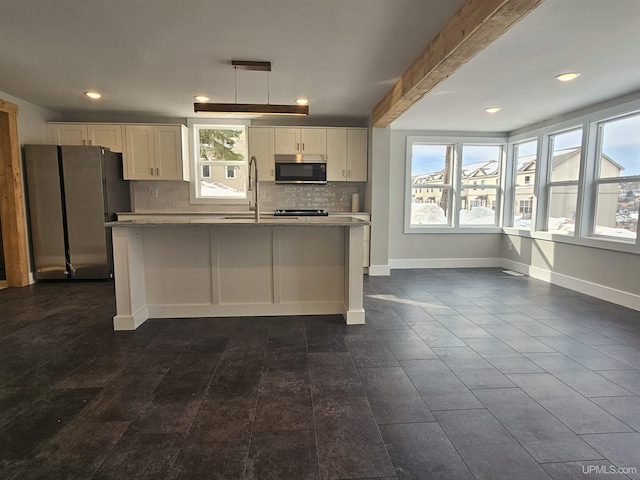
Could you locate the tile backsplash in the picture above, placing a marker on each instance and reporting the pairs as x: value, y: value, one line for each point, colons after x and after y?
x: 173, y: 197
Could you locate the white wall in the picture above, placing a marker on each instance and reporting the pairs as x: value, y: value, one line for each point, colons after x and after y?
x: 31, y: 120
x: 606, y: 274
x: 377, y: 200
x: 421, y: 250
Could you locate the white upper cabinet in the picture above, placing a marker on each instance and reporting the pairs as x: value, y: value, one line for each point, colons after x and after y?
x: 108, y: 135
x: 301, y: 140
x: 346, y: 155
x: 356, y: 155
x: 336, y: 155
x: 156, y: 152
x: 261, y: 145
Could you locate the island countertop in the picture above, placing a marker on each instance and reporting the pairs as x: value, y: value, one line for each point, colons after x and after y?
x: 239, y: 220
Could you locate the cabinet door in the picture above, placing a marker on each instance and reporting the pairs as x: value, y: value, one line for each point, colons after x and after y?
x: 287, y: 140
x: 336, y: 154
x: 68, y: 133
x: 313, y: 140
x: 106, y: 135
x: 168, y: 152
x: 140, y: 161
x: 356, y: 155
x: 261, y: 145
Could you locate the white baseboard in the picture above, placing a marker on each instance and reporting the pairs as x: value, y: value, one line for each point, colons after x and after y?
x: 602, y: 292
x: 379, y: 270
x: 404, y: 263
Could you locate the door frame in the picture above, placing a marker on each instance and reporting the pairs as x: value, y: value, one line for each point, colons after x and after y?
x: 12, y: 205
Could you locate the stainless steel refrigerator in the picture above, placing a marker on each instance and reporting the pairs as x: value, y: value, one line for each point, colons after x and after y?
x: 72, y: 191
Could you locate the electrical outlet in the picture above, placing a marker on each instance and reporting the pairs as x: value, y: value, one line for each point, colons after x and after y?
x: 510, y: 246
x: 263, y: 193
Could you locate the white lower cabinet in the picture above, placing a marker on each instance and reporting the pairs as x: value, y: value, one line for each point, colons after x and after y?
x: 367, y: 236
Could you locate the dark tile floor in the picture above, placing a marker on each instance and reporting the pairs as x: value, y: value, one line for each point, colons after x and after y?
x: 458, y: 374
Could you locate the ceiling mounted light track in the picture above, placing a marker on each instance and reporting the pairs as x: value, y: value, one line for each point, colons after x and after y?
x: 251, y: 108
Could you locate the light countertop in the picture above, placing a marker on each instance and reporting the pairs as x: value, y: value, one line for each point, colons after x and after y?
x: 237, y: 220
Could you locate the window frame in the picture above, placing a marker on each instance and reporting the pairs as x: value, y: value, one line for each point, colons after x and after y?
x: 549, y: 183
x: 453, y: 217
x: 194, y: 184
x: 589, y: 119
x: 511, y: 190
x: 598, y: 128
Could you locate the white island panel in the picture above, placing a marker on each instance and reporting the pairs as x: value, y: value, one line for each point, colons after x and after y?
x: 177, y: 263
x: 311, y: 264
x: 244, y: 265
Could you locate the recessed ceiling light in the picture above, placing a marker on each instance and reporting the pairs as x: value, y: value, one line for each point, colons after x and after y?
x: 567, y: 77
x: 93, y: 95
x: 201, y: 98
x: 492, y: 109
x: 302, y: 101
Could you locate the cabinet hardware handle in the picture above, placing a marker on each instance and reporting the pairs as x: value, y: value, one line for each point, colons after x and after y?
x: 344, y: 173
x: 84, y: 142
x: 90, y: 143
x: 151, y: 171
x: 157, y: 171
x: 297, y: 146
x: 349, y: 173
x: 272, y: 172
x: 303, y: 146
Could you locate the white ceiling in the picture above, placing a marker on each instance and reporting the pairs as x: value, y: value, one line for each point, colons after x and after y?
x: 598, y: 38
x: 150, y: 57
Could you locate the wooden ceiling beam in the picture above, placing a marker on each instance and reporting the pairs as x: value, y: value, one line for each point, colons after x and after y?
x: 471, y: 29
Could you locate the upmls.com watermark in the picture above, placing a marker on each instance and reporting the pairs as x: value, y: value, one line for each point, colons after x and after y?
x: 608, y: 470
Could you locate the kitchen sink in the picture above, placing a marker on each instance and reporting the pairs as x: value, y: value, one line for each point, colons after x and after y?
x: 252, y: 217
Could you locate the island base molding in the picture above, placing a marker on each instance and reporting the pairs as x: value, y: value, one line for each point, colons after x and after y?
x: 196, y: 271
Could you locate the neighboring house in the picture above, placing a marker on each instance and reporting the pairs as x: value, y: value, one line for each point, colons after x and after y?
x: 566, y: 165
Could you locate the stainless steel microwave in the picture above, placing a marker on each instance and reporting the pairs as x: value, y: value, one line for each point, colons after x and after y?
x: 301, y: 168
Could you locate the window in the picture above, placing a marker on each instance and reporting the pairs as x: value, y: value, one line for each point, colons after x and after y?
x: 564, y: 171
x: 481, y: 163
x: 525, y: 157
x: 221, y: 156
x: 452, y: 184
x: 431, y: 172
x: 617, y: 183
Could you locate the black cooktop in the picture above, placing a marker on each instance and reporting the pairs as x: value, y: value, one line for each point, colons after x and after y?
x: 301, y: 213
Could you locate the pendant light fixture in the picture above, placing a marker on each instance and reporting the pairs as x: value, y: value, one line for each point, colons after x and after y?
x: 251, y: 108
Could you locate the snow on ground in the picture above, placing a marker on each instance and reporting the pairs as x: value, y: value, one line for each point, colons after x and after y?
x: 432, y: 214
x: 427, y: 214
x: 478, y: 216
x: 214, y: 189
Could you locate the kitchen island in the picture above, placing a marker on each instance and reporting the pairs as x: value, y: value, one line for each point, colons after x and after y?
x: 219, y: 266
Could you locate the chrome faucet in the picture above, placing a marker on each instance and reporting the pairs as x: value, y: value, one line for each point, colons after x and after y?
x: 256, y: 206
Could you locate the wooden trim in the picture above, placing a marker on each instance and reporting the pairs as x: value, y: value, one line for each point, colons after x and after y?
x: 472, y: 29
x: 12, y: 206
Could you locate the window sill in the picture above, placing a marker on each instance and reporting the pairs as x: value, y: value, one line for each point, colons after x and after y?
x: 592, y: 242
x: 440, y: 230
